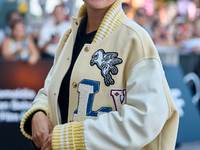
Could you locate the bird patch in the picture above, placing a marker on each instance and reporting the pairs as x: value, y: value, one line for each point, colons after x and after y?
x: 106, y: 62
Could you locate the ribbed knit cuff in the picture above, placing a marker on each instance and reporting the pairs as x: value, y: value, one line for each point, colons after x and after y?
x: 68, y: 136
x: 25, y: 118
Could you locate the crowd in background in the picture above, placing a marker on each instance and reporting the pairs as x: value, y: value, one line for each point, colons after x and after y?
x: 181, y: 32
x: 18, y: 42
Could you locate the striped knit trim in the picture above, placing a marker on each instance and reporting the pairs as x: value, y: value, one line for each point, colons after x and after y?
x: 29, y: 113
x: 78, y: 134
x: 68, y: 136
x: 110, y: 22
x: 56, y: 136
x: 82, y: 11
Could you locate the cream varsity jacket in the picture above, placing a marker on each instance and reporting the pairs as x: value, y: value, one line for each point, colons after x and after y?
x: 119, y: 98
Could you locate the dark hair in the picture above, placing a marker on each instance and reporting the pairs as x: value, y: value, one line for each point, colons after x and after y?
x: 138, y: 13
x: 9, y: 14
x: 125, y: 5
x: 16, y: 22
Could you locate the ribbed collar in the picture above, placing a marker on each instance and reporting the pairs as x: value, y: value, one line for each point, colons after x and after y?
x: 110, y: 22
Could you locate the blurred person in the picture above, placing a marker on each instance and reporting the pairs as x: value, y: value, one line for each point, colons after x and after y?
x: 154, y: 18
x: 186, y: 39
x: 162, y: 35
x: 197, y: 28
x: 11, y: 17
x: 19, y: 46
x: 173, y: 28
x: 106, y: 89
x: 125, y: 7
x: 158, y: 30
x: 141, y: 18
x: 196, y: 37
x: 51, y: 32
x: 159, y: 35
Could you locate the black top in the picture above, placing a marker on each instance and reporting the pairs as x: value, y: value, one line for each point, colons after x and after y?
x: 81, y: 39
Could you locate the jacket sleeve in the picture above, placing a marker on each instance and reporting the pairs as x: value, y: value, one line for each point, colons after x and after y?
x: 40, y: 102
x: 142, y: 117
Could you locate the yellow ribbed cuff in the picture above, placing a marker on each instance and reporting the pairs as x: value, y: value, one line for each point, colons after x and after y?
x: 68, y: 136
x: 24, y: 119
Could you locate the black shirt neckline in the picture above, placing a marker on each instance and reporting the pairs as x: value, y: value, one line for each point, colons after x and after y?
x: 82, y: 31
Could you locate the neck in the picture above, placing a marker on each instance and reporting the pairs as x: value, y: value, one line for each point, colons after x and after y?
x: 95, y: 18
x: 17, y: 39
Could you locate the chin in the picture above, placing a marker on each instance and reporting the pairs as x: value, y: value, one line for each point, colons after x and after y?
x: 99, y: 4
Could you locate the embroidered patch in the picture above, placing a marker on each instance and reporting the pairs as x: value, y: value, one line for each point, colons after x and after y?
x: 118, y: 97
x: 87, y: 90
x: 106, y: 63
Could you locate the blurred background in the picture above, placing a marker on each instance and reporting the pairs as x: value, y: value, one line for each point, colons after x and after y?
x: 30, y: 31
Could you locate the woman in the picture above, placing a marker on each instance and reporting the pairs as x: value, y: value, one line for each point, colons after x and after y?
x: 113, y: 96
x: 19, y: 46
x: 52, y: 31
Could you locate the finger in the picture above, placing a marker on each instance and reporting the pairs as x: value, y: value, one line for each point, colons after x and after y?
x: 40, y: 137
x: 37, y: 140
x: 37, y: 145
x: 44, y: 146
x: 47, y: 144
x: 49, y: 148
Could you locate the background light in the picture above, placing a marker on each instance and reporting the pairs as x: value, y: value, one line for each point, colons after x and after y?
x: 35, y: 8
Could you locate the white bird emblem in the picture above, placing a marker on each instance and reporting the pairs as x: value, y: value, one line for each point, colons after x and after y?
x: 106, y: 63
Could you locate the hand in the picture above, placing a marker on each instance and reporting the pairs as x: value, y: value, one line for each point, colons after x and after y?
x: 41, y: 128
x: 48, y: 145
x: 33, y: 59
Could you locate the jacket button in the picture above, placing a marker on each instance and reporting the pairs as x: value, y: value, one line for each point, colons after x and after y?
x: 54, y: 93
x: 67, y: 58
x: 74, y: 84
x: 76, y: 23
x: 87, y: 49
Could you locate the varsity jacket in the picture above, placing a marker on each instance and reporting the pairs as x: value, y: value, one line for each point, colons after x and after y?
x: 119, y: 98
